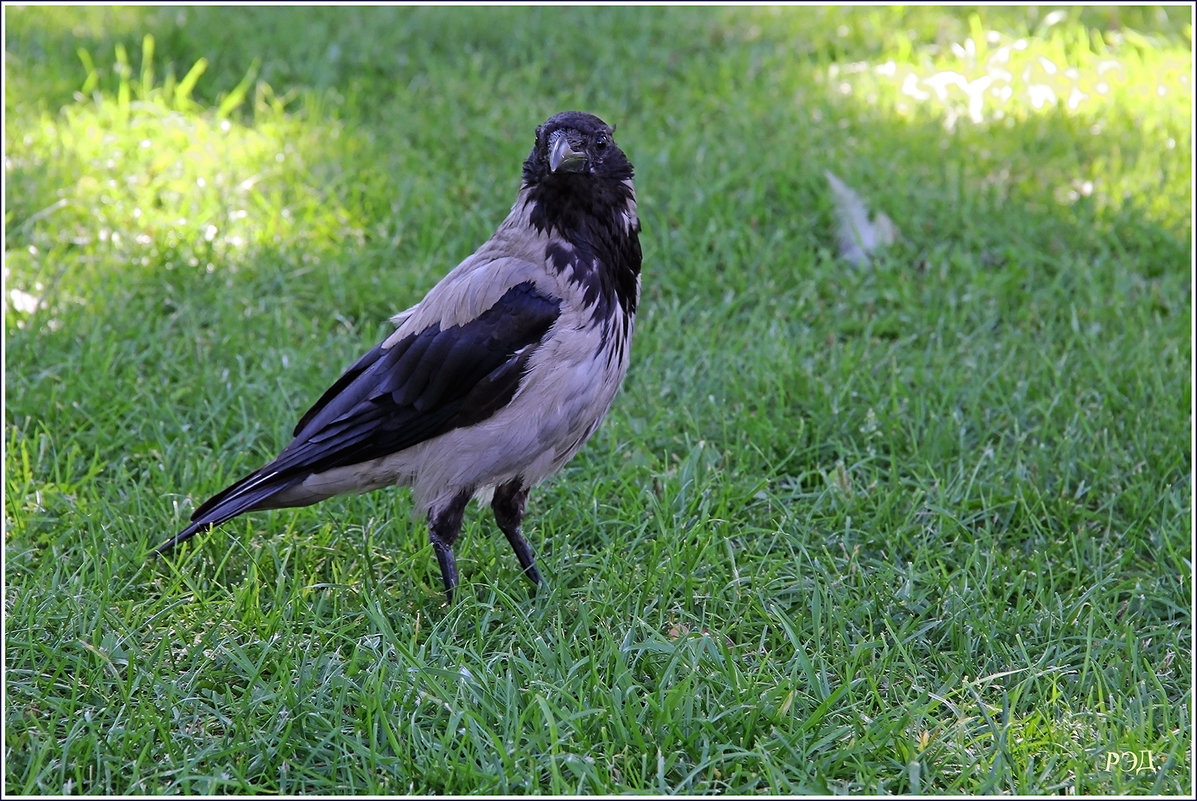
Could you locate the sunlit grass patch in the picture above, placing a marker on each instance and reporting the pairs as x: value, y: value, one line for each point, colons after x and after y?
x: 990, y: 76
x: 1112, y: 87
x: 137, y: 170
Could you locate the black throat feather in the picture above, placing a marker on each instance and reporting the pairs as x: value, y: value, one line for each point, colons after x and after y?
x: 589, y: 238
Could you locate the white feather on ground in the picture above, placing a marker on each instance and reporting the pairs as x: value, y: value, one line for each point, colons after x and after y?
x: 857, y: 235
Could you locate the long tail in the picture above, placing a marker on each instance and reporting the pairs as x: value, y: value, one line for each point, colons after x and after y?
x: 250, y: 493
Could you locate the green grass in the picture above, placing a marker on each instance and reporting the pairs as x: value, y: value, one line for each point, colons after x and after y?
x: 919, y: 528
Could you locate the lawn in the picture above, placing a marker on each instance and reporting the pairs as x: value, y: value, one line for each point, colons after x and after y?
x: 921, y: 526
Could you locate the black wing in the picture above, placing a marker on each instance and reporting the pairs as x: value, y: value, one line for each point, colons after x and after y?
x: 393, y: 398
x: 422, y: 386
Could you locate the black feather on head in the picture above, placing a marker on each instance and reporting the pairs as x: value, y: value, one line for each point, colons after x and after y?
x: 588, y: 137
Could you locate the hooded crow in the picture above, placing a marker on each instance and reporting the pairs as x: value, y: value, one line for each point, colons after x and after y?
x: 494, y: 380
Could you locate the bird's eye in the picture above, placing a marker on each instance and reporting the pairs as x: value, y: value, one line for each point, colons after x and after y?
x: 601, y: 143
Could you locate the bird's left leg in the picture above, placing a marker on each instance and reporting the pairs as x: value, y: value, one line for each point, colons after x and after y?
x: 508, y: 505
x: 444, y: 526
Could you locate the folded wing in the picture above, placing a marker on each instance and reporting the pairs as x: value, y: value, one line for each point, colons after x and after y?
x: 420, y: 386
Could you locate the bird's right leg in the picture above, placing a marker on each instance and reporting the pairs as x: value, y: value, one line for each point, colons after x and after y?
x: 444, y: 526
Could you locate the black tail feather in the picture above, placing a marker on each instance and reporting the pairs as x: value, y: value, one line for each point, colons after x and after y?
x: 250, y: 493
x: 185, y: 534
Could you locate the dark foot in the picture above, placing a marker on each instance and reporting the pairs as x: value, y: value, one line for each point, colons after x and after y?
x: 444, y: 526
x: 508, y: 506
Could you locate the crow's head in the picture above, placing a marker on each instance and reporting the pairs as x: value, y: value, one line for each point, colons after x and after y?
x: 575, y: 143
